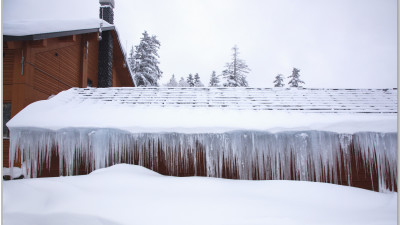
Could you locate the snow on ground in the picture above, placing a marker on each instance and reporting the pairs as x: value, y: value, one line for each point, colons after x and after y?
x: 127, y: 194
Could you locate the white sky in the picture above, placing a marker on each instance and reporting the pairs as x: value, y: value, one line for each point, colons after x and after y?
x: 335, y: 43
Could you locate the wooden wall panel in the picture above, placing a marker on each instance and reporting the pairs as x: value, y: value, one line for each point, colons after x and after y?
x: 7, y: 93
x: 93, y: 60
x: 6, y: 156
x: 6, y: 147
x: 8, y: 65
x: 47, y: 72
x: 57, y: 70
x: 70, y: 65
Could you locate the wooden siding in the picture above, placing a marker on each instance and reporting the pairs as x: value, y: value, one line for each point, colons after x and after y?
x: 6, y: 163
x: 8, y: 66
x: 51, y: 66
x: 6, y: 146
x: 93, y: 58
x: 57, y: 70
x: 194, y: 163
x: 8, y: 69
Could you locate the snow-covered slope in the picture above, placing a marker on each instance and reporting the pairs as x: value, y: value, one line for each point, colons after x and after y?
x: 127, y: 194
x: 194, y: 110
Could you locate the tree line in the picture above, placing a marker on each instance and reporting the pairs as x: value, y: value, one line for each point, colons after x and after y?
x: 143, y: 62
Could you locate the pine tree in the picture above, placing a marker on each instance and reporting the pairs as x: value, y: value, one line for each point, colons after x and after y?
x: 131, y: 59
x: 172, y: 82
x: 279, y: 81
x: 235, y: 72
x: 197, y: 81
x: 190, y: 80
x: 214, y: 80
x: 183, y: 83
x: 295, y: 81
x: 146, y: 71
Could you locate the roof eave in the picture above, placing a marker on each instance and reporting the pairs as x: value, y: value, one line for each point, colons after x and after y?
x: 34, y: 37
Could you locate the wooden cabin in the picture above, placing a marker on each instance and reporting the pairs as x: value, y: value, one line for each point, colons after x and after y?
x: 43, y: 58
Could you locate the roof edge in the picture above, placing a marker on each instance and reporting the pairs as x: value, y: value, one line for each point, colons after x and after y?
x: 35, y: 37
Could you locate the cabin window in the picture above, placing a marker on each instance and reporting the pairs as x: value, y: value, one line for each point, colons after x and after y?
x: 89, y: 83
x: 6, y: 118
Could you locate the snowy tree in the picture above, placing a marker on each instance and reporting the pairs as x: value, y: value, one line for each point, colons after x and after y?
x: 131, y: 59
x: 295, y: 81
x: 279, y: 81
x: 183, y: 83
x: 190, y: 80
x: 214, y: 80
x: 197, y: 81
x: 146, y: 71
x: 236, y: 70
x: 172, y: 82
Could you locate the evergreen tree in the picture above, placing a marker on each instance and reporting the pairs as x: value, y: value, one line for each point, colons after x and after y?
x: 279, y: 81
x: 146, y: 71
x: 295, y: 81
x: 197, y: 81
x: 131, y: 59
x: 172, y: 82
x: 183, y: 83
x: 214, y: 80
x: 190, y: 80
x: 236, y: 70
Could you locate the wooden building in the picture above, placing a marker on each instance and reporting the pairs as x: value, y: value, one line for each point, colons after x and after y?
x: 43, y: 58
x: 340, y: 136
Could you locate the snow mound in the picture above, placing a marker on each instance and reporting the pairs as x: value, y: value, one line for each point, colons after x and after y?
x: 147, y: 199
x: 126, y: 169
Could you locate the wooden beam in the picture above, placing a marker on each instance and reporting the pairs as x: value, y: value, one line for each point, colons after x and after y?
x: 84, y: 62
x: 71, y: 38
x: 13, y: 44
x: 39, y: 43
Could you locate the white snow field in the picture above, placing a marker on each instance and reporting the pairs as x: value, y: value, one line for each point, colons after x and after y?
x: 128, y: 194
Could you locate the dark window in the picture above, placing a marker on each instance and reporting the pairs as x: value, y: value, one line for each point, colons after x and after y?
x: 89, y: 83
x: 6, y: 118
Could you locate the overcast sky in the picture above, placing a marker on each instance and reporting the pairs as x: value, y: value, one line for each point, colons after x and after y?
x: 335, y: 43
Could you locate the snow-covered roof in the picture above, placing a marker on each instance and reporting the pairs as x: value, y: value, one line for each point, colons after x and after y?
x: 39, y: 29
x: 215, y: 109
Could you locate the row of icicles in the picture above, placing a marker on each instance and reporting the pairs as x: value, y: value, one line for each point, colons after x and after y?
x: 367, y: 160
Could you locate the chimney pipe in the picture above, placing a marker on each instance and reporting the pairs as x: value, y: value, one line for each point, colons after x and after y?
x: 107, y: 10
x: 105, y: 60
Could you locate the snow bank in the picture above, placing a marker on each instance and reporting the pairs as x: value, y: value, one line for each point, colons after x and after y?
x: 126, y: 194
